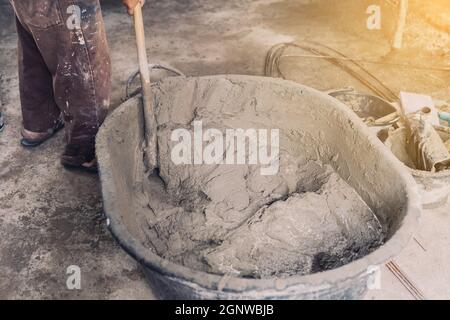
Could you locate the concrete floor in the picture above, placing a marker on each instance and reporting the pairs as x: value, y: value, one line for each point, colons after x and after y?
x: 51, y: 219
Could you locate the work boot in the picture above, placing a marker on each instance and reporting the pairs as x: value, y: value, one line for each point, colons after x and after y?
x: 33, y: 139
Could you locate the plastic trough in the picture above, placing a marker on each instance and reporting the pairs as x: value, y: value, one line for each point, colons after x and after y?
x: 391, y: 192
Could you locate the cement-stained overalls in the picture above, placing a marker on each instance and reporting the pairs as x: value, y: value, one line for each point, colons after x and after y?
x: 64, y: 70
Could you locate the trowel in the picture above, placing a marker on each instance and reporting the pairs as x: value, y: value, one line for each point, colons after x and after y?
x: 150, y: 124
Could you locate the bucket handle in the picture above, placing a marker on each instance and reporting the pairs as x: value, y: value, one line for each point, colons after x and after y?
x: 151, y: 66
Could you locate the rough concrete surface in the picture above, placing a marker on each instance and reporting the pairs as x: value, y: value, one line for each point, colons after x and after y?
x: 51, y: 218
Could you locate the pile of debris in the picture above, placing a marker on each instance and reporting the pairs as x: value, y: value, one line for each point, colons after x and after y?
x: 414, y: 127
x: 426, y: 144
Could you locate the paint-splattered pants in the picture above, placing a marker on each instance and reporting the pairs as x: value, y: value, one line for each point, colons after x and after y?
x: 64, y: 70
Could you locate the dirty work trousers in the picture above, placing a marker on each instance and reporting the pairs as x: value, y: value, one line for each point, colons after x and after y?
x: 64, y: 70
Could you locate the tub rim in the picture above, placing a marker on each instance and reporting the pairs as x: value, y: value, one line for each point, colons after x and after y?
x: 427, y: 174
x: 225, y: 283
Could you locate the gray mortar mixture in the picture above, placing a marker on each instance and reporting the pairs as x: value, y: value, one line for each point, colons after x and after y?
x: 231, y: 219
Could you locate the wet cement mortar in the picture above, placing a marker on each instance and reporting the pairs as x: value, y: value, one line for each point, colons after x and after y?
x: 233, y: 219
x: 50, y: 218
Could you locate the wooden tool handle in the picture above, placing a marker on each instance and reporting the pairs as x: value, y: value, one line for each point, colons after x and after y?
x: 150, y: 125
x: 398, y: 38
x: 140, y: 40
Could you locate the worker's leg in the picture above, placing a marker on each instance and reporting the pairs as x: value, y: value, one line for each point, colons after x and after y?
x: 39, y: 111
x: 83, y: 78
x: 71, y: 38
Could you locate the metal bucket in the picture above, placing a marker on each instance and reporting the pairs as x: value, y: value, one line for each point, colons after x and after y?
x: 366, y: 106
x: 390, y: 192
x: 434, y: 188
